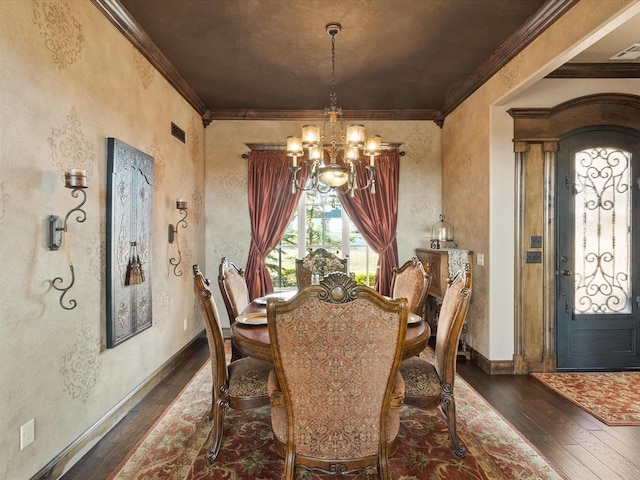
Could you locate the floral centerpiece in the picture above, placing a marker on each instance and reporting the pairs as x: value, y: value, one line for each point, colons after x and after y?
x: 321, y: 263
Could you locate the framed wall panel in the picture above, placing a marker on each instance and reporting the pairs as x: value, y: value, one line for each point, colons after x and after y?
x: 129, y: 195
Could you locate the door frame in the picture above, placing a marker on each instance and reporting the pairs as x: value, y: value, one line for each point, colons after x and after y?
x: 537, y: 132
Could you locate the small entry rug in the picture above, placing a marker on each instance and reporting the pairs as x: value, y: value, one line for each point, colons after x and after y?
x: 175, y: 447
x: 611, y: 397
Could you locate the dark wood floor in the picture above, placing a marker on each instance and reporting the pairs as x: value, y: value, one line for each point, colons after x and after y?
x: 580, y: 446
x: 107, y: 454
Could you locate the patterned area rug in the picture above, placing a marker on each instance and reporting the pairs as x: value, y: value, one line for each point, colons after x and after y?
x: 611, y: 397
x: 175, y: 447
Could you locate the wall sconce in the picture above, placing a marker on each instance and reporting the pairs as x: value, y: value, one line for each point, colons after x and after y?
x: 76, y: 180
x: 181, y: 205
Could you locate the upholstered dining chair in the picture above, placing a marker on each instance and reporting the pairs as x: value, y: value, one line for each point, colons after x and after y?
x: 327, y: 261
x: 430, y: 384
x: 235, y: 294
x: 411, y: 281
x: 241, y: 384
x: 335, y: 390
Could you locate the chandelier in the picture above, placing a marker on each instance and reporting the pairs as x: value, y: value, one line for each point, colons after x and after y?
x: 343, y: 146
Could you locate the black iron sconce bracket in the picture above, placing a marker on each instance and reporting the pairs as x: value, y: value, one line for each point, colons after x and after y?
x: 181, y: 205
x: 57, y: 234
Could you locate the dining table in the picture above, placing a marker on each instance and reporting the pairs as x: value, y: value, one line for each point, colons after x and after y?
x: 250, y: 333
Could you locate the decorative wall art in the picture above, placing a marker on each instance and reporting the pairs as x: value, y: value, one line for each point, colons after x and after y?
x: 129, y: 194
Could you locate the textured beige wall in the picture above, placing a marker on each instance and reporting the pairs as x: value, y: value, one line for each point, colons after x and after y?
x: 227, y: 225
x: 474, y: 192
x: 68, y: 81
x: 465, y: 186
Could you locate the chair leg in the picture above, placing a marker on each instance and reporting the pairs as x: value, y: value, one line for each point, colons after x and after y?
x: 383, y: 468
x: 218, y: 411
x: 289, y: 466
x: 448, y: 404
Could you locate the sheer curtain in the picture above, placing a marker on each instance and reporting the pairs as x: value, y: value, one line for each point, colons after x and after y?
x: 376, y: 215
x: 271, y: 206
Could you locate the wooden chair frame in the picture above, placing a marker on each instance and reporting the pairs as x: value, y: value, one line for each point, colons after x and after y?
x: 336, y: 288
x: 223, y: 374
x: 456, y: 304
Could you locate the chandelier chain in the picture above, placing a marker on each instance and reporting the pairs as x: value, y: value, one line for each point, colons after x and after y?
x: 333, y: 97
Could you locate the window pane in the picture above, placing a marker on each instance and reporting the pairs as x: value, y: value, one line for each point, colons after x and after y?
x: 333, y: 226
x: 281, y: 263
x: 322, y: 228
x: 602, y: 226
x: 363, y: 264
x: 324, y: 220
x: 291, y: 235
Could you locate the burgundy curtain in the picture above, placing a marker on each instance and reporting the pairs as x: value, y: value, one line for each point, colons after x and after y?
x: 376, y: 215
x: 271, y: 206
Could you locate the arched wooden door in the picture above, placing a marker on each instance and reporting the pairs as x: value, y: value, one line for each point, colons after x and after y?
x: 598, y: 250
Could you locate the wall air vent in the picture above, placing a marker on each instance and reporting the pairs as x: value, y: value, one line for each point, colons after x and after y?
x: 177, y: 132
x: 630, y: 53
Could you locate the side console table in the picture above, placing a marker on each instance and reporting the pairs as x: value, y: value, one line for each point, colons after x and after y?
x: 437, y: 262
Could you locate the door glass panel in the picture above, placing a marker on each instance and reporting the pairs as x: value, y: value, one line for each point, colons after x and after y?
x: 602, y: 231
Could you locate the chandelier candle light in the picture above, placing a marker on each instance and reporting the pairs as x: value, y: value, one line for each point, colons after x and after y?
x: 343, y: 145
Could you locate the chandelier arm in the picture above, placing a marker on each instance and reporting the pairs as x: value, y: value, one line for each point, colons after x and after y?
x: 371, y: 180
x: 324, y: 190
x: 295, y: 183
x: 314, y: 185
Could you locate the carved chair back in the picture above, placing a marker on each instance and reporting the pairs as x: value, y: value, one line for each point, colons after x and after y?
x: 337, y: 347
x: 215, y: 338
x: 411, y: 281
x: 233, y: 288
x: 235, y: 294
x: 453, y: 313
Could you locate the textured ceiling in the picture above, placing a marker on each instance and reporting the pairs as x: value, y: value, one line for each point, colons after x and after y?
x: 394, y: 58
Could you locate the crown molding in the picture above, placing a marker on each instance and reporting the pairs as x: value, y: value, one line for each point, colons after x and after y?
x: 255, y: 147
x: 250, y: 114
x: 597, y: 70
x: 527, y: 33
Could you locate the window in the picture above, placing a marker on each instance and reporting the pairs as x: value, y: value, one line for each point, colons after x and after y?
x: 318, y: 222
